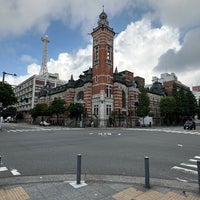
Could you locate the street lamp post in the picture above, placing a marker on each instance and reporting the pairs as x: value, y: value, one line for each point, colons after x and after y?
x: 4, y: 73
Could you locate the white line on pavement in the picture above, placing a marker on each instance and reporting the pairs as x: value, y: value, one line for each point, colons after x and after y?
x: 185, y: 170
x: 3, y: 169
x: 188, y: 165
x: 181, y: 180
x: 15, y: 172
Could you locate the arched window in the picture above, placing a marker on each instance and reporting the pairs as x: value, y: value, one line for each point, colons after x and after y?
x: 80, y: 96
x: 123, y: 99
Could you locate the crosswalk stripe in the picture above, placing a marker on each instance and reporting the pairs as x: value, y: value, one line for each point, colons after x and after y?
x: 188, y: 165
x: 197, y: 157
x: 192, y: 160
x: 15, y: 172
x: 2, y: 169
x: 185, y: 170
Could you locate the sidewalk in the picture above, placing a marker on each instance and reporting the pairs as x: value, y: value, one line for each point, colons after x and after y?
x: 97, y: 187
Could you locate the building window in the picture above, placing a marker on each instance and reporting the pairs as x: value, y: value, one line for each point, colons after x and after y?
x: 108, y: 91
x: 96, y: 53
x: 123, y: 99
x: 108, y: 53
x: 80, y: 96
x: 96, y: 109
x: 108, y: 110
x: 96, y: 79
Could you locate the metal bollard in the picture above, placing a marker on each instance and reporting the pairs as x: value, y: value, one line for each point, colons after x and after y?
x: 146, y: 163
x: 0, y: 160
x: 198, y: 170
x: 78, y: 174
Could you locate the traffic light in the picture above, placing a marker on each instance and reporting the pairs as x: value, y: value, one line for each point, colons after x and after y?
x: 24, y: 99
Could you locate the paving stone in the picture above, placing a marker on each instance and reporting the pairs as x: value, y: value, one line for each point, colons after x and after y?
x: 17, y: 193
x: 127, y: 194
x: 173, y: 196
x: 2, y: 195
x: 192, y: 197
x: 150, y: 195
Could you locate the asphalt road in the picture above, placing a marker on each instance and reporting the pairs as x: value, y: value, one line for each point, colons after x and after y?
x: 33, y: 150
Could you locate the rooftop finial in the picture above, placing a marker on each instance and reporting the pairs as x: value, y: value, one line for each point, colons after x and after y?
x: 103, y: 8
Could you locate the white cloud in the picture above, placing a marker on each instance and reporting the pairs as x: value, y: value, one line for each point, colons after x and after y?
x: 68, y: 64
x: 20, y: 16
x: 139, y: 47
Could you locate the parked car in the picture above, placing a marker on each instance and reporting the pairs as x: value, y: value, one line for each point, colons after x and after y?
x: 189, y: 124
x: 44, y: 123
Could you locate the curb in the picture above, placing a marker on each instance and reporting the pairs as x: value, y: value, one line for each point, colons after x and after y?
x: 172, y: 184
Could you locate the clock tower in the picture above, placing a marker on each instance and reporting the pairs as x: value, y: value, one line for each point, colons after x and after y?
x: 102, y: 70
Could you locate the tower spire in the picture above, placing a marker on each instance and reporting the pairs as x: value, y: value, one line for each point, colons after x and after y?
x: 43, y: 69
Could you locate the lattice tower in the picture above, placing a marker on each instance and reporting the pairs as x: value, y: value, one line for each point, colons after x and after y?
x: 43, y: 69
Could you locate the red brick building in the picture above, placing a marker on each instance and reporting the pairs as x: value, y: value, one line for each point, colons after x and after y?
x: 102, y: 91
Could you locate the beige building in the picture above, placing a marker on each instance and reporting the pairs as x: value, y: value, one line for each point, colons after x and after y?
x: 30, y: 89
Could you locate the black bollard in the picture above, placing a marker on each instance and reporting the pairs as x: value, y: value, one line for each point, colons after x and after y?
x: 0, y: 160
x: 198, y: 170
x: 146, y: 163
x: 78, y: 174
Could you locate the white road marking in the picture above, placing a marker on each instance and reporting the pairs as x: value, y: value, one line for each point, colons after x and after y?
x: 192, y: 160
x: 185, y: 170
x: 181, y: 180
x: 76, y: 186
x: 188, y: 165
x: 15, y: 172
x: 197, y: 157
x: 2, y: 169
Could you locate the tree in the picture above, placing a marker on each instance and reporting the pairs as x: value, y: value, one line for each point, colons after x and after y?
x: 57, y: 107
x: 191, y: 106
x: 143, y: 108
x: 75, y: 110
x: 198, y: 109
x: 41, y: 109
x: 186, y: 104
x: 7, y: 96
x: 168, y: 108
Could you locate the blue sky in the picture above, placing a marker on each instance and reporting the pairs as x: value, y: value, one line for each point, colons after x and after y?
x: 153, y: 37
